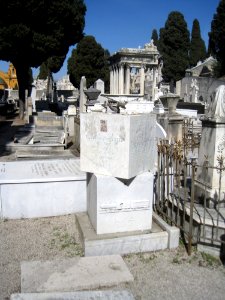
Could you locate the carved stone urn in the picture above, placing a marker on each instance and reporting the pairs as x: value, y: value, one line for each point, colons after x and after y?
x: 169, y: 102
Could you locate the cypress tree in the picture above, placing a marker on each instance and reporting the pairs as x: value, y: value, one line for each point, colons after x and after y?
x: 89, y: 59
x: 43, y: 71
x: 197, y: 46
x: 174, y: 44
x: 33, y: 31
x: 154, y: 37
x: 217, y: 38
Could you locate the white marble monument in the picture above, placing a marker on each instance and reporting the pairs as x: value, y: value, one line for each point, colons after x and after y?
x: 120, y: 205
x: 212, y: 148
x: 117, y: 145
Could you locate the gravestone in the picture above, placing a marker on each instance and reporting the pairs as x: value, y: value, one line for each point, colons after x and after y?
x: 212, y: 148
x: 100, y: 85
x: 34, y: 97
x: 83, y: 97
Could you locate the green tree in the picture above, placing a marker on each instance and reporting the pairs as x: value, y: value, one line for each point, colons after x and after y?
x: 155, y: 37
x: 43, y: 71
x: 89, y: 59
x: 217, y: 38
x: 197, y: 46
x: 33, y: 31
x: 174, y: 43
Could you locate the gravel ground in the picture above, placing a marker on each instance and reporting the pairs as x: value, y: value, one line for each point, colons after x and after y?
x: 160, y: 275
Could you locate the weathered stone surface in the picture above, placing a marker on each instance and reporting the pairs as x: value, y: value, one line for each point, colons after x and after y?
x: 73, y: 274
x: 124, y: 204
x: 84, y: 295
x: 118, y: 145
x: 37, y: 188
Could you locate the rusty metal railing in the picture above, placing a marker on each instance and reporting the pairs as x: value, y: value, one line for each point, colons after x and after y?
x: 176, y: 195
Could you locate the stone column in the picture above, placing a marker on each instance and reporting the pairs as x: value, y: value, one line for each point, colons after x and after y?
x: 117, y: 80
x: 114, y: 79
x: 142, y: 80
x: 121, y: 79
x: 111, y: 80
x: 127, y: 82
x: 154, y: 83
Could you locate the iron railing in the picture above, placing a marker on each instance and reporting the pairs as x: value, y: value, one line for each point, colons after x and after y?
x: 201, y: 218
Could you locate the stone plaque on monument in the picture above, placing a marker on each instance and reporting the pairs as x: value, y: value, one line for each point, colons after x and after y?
x: 117, y: 145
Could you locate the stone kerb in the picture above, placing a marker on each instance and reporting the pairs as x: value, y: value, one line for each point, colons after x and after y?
x: 117, y: 145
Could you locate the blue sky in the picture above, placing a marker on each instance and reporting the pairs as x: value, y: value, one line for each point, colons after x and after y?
x: 129, y: 23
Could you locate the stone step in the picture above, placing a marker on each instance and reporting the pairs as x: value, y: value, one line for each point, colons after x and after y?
x: 29, y: 153
x: 79, y: 273
x: 83, y: 295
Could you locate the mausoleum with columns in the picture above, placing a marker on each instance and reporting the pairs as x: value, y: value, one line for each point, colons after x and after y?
x: 135, y: 71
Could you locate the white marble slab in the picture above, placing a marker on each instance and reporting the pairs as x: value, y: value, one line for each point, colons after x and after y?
x: 40, y: 171
x: 43, y: 188
x: 118, y: 145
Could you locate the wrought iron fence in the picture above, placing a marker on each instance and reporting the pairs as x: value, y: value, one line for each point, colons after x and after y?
x: 200, y: 216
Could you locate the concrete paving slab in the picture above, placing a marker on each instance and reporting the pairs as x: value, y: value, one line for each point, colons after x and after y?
x: 84, y: 295
x: 73, y: 274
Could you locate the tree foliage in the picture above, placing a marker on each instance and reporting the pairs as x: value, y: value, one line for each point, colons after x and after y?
x: 197, y: 46
x: 43, y: 71
x: 174, y: 43
x: 33, y: 31
x: 155, y: 37
x: 51, y: 65
x: 217, y: 38
x: 89, y: 59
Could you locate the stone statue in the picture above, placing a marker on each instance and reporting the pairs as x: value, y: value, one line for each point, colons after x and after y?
x: 217, y: 106
x: 194, y: 90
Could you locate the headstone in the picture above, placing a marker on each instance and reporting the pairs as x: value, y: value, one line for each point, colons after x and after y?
x: 83, y: 97
x: 71, y: 114
x: 33, y: 97
x: 212, y: 148
x: 117, y: 145
x: 100, y: 85
x: 29, y: 109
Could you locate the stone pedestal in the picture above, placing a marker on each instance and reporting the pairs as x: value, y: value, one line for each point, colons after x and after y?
x: 71, y: 114
x: 212, y: 146
x: 118, y: 205
x: 170, y: 120
x: 117, y: 145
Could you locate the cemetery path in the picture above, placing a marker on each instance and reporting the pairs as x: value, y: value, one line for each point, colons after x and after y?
x: 160, y: 275
x: 8, y: 128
